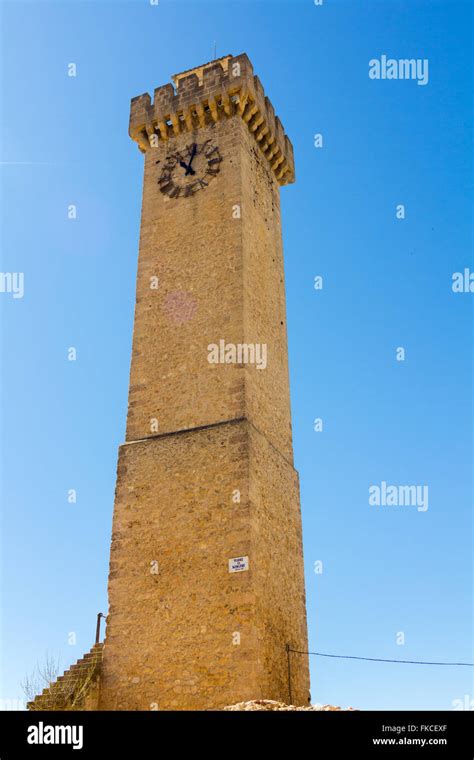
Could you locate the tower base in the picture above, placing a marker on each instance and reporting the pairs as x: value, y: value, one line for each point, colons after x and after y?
x: 188, y: 503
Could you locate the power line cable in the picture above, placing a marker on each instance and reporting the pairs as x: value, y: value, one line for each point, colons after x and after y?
x: 380, y: 659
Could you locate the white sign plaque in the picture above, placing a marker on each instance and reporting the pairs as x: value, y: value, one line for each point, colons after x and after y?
x: 238, y: 564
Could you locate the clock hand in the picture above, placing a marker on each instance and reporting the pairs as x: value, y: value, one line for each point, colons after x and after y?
x: 189, y: 170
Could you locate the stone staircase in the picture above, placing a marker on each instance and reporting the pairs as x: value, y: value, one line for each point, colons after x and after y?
x: 76, y: 689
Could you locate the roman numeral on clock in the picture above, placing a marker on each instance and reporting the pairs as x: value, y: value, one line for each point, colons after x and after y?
x: 175, y: 192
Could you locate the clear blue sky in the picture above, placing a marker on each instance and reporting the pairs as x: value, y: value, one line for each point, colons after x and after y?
x: 387, y: 283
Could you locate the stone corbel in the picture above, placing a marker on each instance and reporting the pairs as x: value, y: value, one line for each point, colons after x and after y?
x: 213, y: 109
x: 201, y: 114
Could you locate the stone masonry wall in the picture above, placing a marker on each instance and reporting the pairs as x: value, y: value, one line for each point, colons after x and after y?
x: 193, y: 245
x: 171, y: 637
x: 170, y: 627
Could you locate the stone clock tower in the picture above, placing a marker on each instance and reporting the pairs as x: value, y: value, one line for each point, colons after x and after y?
x: 206, y: 584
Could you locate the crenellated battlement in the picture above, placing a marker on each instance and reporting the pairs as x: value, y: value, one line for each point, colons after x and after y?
x: 220, y: 89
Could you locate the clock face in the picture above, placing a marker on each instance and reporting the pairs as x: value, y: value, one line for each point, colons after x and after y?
x: 190, y: 169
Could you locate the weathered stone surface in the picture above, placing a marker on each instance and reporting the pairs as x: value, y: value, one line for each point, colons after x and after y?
x: 175, y: 630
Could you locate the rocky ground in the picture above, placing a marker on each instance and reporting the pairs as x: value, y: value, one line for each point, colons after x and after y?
x: 270, y: 704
